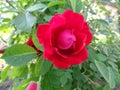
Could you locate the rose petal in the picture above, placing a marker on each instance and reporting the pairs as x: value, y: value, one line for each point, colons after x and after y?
x: 89, y: 38
x: 66, y: 39
x: 57, y: 60
x: 57, y: 21
x: 74, y: 20
x: 43, y: 35
x: 80, y: 42
x: 86, y: 30
x: 64, y: 53
x: 68, y: 13
x: 61, y: 64
x: 78, y: 58
x: 42, y: 32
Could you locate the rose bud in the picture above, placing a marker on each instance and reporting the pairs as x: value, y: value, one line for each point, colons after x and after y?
x: 32, y: 86
x: 30, y: 43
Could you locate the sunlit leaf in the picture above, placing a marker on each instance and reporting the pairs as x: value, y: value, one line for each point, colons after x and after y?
x: 4, y: 73
x: 53, y: 3
x: 40, y: 7
x: 20, y: 71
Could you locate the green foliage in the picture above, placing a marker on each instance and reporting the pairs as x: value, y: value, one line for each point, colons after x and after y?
x: 107, y: 73
x: 40, y: 7
x: 35, y: 40
x: 19, y: 20
x: 57, y: 79
x: 4, y: 73
x: 76, y: 5
x: 53, y: 3
x: 19, y: 72
x: 24, y: 22
x: 44, y: 67
x: 21, y: 56
x: 103, y: 70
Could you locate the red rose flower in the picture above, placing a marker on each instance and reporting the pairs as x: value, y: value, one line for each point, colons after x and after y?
x: 30, y: 43
x: 32, y: 86
x: 65, y: 39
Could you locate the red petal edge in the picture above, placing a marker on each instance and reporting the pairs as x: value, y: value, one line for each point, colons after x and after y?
x: 41, y: 32
x: 78, y: 58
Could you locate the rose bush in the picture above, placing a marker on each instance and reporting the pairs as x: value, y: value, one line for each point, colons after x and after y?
x: 65, y: 39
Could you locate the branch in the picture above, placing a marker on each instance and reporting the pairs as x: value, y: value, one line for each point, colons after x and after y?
x: 2, y: 39
x: 109, y: 4
x: 10, y: 4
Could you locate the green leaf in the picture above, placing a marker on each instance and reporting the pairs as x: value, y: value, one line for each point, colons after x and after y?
x: 50, y: 80
x: 100, y: 57
x: 44, y: 67
x: 68, y: 75
x: 40, y: 7
x: 79, y: 6
x: 24, y: 84
x: 111, y: 78
x: 116, y: 76
x: 47, y: 18
x: 20, y: 71
x: 6, y: 20
x: 19, y: 54
x: 117, y: 4
x: 92, y: 54
x: 106, y: 87
x: 93, y: 67
x: 4, y: 27
x: 53, y: 3
x: 24, y: 22
x: 32, y: 69
x: 103, y: 70
x: 114, y: 65
x: 106, y: 0
x: 76, y: 5
x: 35, y: 41
x: 39, y: 83
x: 73, y: 4
x: 4, y: 73
x: 92, y: 11
x: 63, y: 80
x: 102, y: 22
x: 38, y: 65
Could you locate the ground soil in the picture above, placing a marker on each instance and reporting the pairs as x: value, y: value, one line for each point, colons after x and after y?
x: 7, y: 85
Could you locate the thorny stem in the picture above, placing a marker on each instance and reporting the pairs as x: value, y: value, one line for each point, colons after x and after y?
x: 40, y: 53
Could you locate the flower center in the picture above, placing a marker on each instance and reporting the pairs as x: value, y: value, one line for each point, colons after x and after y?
x: 66, y: 39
